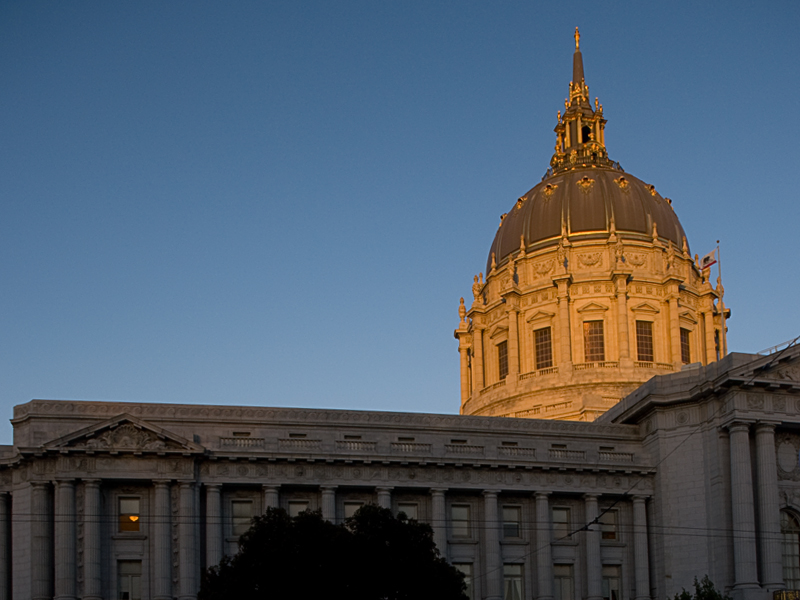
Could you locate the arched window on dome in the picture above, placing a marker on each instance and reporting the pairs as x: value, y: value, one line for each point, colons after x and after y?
x: 790, y: 530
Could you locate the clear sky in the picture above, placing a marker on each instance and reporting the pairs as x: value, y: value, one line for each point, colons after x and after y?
x: 280, y: 203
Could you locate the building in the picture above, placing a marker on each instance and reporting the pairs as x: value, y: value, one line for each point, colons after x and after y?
x: 693, y: 472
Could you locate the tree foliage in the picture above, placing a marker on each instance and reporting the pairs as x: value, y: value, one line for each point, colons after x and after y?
x: 372, y: 556
x: 703, y: 590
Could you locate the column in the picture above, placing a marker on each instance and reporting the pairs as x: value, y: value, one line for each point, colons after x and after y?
x: 464, y: 362
x: 92, y: 519
x: 622, y: 319
x: 41, y: 556
x: 493, y: 570
x: 675, y: 332
x: 640, y: 548
x: 708, y: 324
x: 477, y: 360
x: 594, y: 568
x: 544, y: 553
x: 329, y: 503
x: 186, y: 527
x: 65, y: 537
x: 768, y: 508
x: 162, y: 552
x: 513, y: 346
x: 384, y: 497
x: 214, y: 550
x: 271, y: 496
x: 744, y: 538
x: 563, y: 324
x: 439, y: 520
x: 5, y: 571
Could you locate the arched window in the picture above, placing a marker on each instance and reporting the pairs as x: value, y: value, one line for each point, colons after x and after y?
x: 790, y: 529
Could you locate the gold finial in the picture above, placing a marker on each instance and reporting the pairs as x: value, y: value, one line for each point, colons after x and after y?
x: 596, y: 103
x: 577, y: 39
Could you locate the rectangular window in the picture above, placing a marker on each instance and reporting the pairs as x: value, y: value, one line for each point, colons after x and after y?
x: 459, y: 520
x: 561, y: 530
x: 563, y: 582
x: 543, y: 342
x: 512, y: 517
x: 409, y: 508
x: 608, y: 525
x: 350, y: 508
x: 241, y: 514
x: 466, y: 569
x: 644, y: 341
x: 611, y: 577
x: 593, y: 341
x: 129, y: 515
x: 297, y: 506
x: 686, y: 354
x: 129, y: 579
x: 502, y: 359
x: 512, y: 582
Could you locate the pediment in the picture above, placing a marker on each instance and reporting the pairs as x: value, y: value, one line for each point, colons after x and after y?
x: 780, y: 369
x: 124, y: 433
x: 687, y: 316
x: 592, y: 307
x: 540, y: 315
x: 645, y: 307
x: 499, y: 330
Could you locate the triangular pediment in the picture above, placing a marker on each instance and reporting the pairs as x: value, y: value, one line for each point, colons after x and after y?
x: 779, y: 369
x: 499, y: 330
x: 687, y: 316
x: 592, y: 307
x: 540, y: 315
x: 645, y: 307
x: 124, y: 433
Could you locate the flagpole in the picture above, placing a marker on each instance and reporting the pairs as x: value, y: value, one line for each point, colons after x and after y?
x: 723, y: 337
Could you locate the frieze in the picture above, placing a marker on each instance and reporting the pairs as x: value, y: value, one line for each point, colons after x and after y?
x: 593, y: 259
x: 636, y: 259
x: 755, y: 402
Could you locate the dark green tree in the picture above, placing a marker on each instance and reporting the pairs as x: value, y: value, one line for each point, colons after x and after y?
x: 372, y: 556
x: 703, y: 590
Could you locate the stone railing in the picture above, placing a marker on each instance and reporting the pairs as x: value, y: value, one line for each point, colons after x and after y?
x: 356, y: 446
x: 564, y: 454
x: 608, y: 456
x: 494, y: 386
x: 516, y: 451
x: 411, y: 448
x: 241, y: 442
x: 600, y: 364
x: 640, y: 364
x: 538, y: 373
x: 463, y: 449
x: 299, y: 444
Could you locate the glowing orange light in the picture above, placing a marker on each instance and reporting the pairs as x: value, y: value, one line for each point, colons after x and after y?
x: 134, y: 518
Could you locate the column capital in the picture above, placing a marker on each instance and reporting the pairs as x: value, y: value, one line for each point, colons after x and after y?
x: 39, y: 483
x: 384, y: 488
x: 212, y: 486
x: 186, y: 483
x: 738, y: 426
x: 541, y: 494
x: 270, y: 487
x: 763, y: 425
x: 640, y: 498
x: 490, y: 493
x: 91, y: 482
x: 328, y: 488
x: 161, y: 482
x: 64, y: 481
x: 591, y: 496
x: 438, y: 491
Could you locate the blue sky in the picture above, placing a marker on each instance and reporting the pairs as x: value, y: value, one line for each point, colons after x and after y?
x: 280, y: 203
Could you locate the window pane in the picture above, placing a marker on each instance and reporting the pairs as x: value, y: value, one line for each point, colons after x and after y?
x: 511, y: 521
x: 129, y: 577
x: 297, y: 506
x: 644, y: 341
x: 544, y: 348
x: 466, y: 569
x: 563, y: 582
x: 594, y: 346
x: 790, y: 528
x: 242, y: 513
x: 611, y: 577
x: 608, y: 525
x: 410, y: 510
x: 129, y: 514
x: 350, y: 508
x: 459, y: 516
x: 502, y: 359
x: 512, y: 582
x: 561, y: 528
x: 686, y: 355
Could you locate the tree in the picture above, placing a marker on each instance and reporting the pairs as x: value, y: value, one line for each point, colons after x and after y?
x: 703, y: 590
x: 372, y: 556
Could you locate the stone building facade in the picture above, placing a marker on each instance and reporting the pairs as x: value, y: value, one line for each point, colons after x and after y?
x: 695, y: 472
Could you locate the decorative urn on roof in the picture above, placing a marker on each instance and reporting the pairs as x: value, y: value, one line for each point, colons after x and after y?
x: 590, y: 288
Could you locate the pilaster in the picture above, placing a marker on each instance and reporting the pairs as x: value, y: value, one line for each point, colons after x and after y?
x: 491, y: 538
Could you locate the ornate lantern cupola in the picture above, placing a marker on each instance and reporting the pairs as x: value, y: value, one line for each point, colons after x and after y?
x: 580, y: 132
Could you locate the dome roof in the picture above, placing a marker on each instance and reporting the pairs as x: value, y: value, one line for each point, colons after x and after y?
x: 585, y: 201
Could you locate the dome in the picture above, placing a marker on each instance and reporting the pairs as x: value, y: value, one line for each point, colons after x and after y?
x: 588, y: 203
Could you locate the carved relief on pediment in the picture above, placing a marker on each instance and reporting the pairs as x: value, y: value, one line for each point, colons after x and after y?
x: 790, y: 373
x: 126, y: 437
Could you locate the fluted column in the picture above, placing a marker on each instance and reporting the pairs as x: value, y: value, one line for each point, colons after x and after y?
x: 92, y: 518
x: 463, y: 353
x: 329, y: 503
x: 5, y: 571
x: 477, y: 360
x: 744, y: 535
x: 708, y: 324
x: 162, y: 559
x: 513, y: 346
x: 271, y: 496
x: 65, y: 537
x: 214, y: 534
x: 594, y: 568
x: 675, y: 332
x: 544, y: 553
x: 491, y: 538
x: 622, y: 319
x: 186, y: 528
x: 439, y: 520
x: 41, y: 548
x: 768, y: 508
x: 640, y: 548
x: 384, y: 497
x: 563, y: 334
